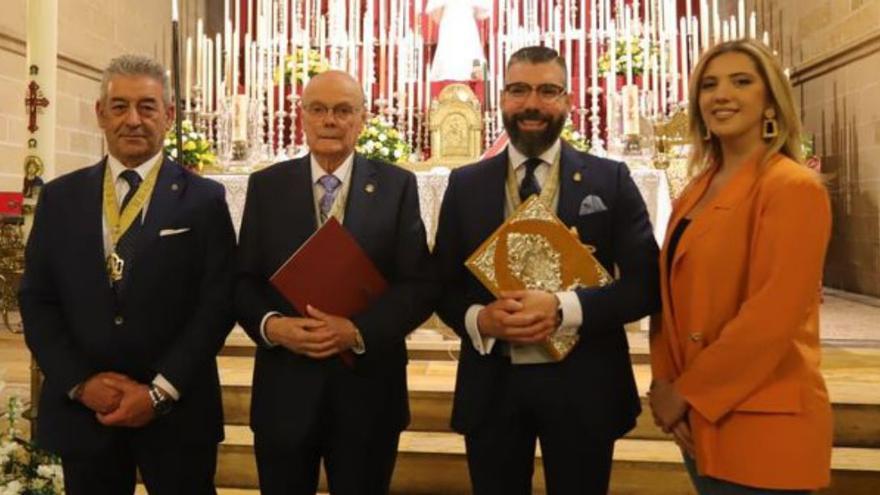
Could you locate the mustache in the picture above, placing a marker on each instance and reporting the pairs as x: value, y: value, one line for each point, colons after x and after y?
x: 531, y: 115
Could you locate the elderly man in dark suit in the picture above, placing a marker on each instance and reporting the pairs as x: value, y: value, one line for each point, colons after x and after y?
x: 509, y: 392
x: 125, y: 297
x: 307, y: 403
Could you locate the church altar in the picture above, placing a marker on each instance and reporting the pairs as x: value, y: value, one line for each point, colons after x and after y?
x: 652, y: 183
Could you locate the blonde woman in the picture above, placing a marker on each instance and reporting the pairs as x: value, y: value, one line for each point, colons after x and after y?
x: 735, y: 356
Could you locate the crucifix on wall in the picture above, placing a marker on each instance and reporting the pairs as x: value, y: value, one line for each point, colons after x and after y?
x: 33, y: 101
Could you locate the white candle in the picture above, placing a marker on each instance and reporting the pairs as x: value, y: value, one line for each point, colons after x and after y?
x: 741, y: 10
x: 209, y: 80
x: 175, y: 14
x: 704, y: 26
x: 734, y: 32
x: 664, y: 76
x: 627, y: 40
x: 200, y: 57
x: 188, y: 68
x: 753, y: 26
x: 684, y: 56
x: 716, y: 22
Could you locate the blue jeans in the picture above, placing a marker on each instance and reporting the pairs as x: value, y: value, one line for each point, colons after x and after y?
x: 706, y: 485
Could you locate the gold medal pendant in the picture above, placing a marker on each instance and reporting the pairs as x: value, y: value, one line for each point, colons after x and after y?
x: 115, y: 267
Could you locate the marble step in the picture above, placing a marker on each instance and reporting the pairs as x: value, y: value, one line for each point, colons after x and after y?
x: 852, y: 376
x: 432, y: 463
x: 425, y: 344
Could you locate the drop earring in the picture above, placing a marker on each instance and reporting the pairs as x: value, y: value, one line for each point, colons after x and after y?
x: 771, y: 126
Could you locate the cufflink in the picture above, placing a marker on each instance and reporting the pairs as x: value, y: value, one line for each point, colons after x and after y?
x: 576, y: 177
x: 370, y: 188
x: 174, y: 187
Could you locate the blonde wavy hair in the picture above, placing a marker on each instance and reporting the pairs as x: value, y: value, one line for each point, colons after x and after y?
x: 779, y: 93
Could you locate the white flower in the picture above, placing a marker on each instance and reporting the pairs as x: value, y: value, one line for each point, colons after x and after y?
x: 382, y: 137
x: 12, y: 488
x: 368, y: 146
x: 397, y: 153
x: 385, y: 151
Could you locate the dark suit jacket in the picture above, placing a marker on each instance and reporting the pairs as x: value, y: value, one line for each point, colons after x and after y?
x: 172, y: 320
x: 598, y: 372
x: 279, y: 216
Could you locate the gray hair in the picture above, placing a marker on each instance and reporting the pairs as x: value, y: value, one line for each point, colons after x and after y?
x: 136, y: 65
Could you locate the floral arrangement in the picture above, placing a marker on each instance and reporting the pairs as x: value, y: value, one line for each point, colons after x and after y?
x: 197, y: 152
x: 294, y: 62
x: 639, y: 62
x: 577, y: 140
x: 381, y: 141
x: 24, y: 469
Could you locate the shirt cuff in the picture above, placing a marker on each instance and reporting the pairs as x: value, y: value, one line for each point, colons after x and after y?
x: 483, y: 345
x: 165, y: 385
x: 72, y: 392
x: 266, y: 317
x: 359, y: 347
x: 572, y: 313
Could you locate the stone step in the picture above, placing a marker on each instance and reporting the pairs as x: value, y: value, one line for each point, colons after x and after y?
x: 425, y: 344
x: 142, y: 490
x: 849, y: 373
x: 431, y: 463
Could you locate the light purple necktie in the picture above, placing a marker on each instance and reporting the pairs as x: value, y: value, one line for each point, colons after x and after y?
x: 331, y: 184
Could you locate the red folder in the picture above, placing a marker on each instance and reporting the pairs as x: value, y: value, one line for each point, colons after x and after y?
x: 332, y: 273
x: 10, y: 203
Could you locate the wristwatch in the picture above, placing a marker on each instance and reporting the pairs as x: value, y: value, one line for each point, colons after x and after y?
x: 162, y: 404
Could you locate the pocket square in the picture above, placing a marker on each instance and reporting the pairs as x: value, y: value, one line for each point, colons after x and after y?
x: 167, y: 232
x: 592, y: 204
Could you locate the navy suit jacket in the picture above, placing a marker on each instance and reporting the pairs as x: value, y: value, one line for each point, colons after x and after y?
x: 172, y: 319
x: 279, y: 216
x: 598, y: 373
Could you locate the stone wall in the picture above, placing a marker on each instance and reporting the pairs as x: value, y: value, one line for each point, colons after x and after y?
x: 833, y: 49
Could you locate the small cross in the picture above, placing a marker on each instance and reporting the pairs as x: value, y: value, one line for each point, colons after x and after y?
x: 33, y: 101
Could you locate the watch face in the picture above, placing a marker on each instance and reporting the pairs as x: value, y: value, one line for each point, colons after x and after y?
x: 163, y: 407
x: 161, y: 404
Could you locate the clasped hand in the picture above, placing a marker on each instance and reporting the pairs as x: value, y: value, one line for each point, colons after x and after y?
x: 669, y: 409
x: 318, y: 336
x: 117, y: 400
x: 521, y: 317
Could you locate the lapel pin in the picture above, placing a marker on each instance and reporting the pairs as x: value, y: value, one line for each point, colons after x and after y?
x: 576, y: 177
x: 174, y: 187
x: 370, y: 188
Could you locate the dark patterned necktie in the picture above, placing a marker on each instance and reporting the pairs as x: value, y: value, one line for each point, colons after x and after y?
x: 529, y: 184
x: 126, y: 245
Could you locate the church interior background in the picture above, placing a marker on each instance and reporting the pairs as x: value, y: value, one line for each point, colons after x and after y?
x: 433, y: 102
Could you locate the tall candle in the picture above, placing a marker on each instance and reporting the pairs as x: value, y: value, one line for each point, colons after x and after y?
x: 753, y: 26
x: 716, y: 22
x: 189, y: 69
x: 628, y: 45
x: 704, y: 26
x: 684, y: 57
x: 741, y: 22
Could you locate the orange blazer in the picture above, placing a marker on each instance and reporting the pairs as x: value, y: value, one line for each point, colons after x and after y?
x: 739, y: 332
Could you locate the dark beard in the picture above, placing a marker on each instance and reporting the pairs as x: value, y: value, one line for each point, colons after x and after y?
x: 532, y: 143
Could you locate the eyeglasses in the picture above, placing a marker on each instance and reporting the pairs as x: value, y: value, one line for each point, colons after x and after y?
x: 342, y: 112
x: 546, y: 92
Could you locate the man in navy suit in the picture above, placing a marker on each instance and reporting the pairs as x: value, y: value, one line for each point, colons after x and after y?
x: 307, y: 403
x: 125, y: 300
x: 509, y: 392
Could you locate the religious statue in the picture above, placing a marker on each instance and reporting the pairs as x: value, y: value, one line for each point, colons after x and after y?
x: 458, y: 40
